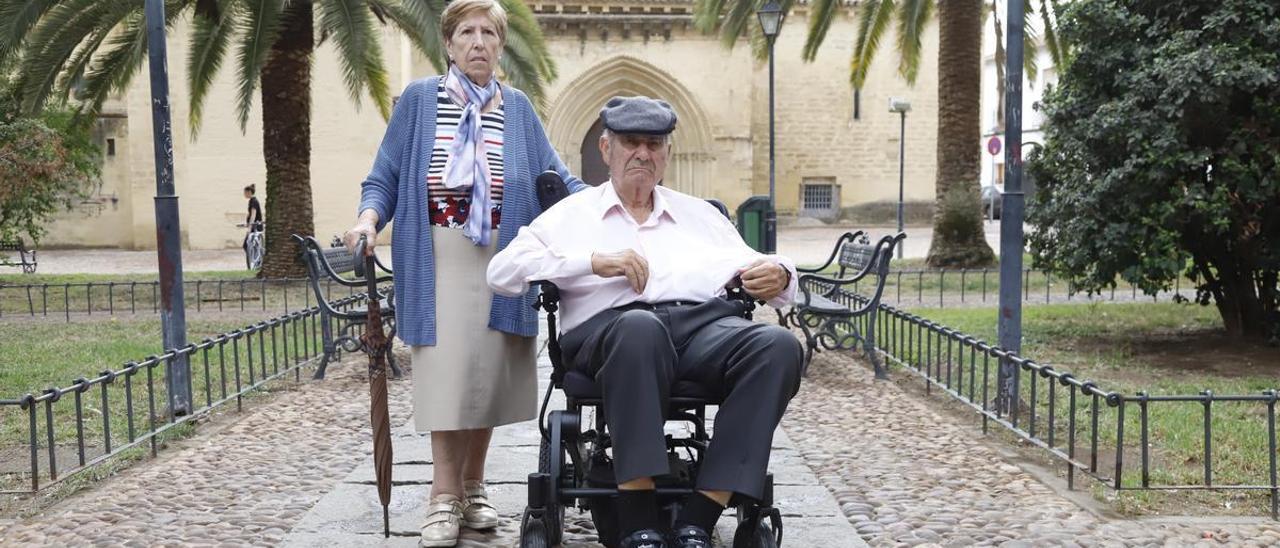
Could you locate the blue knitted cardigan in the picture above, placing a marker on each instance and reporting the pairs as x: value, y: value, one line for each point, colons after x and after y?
x: 396, y: 188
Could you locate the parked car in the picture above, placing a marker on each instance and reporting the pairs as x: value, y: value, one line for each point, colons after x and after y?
x: 991, y: 201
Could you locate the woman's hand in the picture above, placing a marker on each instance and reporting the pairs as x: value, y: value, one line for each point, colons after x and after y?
x: 365, y: 226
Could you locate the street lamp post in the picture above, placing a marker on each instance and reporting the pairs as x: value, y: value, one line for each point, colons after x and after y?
x: 902, y: 107
x: 770, y: 16
x: 1009, y: 324
x: 173, y: 316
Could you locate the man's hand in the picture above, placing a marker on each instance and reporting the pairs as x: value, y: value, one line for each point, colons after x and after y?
x: 622, y: 263
x: 764, y: 280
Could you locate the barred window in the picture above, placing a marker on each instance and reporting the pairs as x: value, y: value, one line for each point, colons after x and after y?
x: 819, y: 197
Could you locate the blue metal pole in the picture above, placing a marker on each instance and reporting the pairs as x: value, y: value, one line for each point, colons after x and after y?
x: 173, y: 319
x: 1011, y: 213
x: 771, y: 216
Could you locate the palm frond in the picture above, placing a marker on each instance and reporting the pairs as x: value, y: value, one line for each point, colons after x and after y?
x: 350, y: 23
x: 113, y: 70
x: 17, y: 18
x: 1030, y: 43
x: 820, y: 15
x: 519, y: 69
x: 913, y: 18
x: 1051, y: 33
x: 214, y: 22
x: 51, y: 42
x: 873, y: 19
x: 706, y: 14
x: 76, y: 66
x: 396, y: 14
x: 738, y: 21
x: 260, y: 27
x: 522, y: 23
x: 423, y: 16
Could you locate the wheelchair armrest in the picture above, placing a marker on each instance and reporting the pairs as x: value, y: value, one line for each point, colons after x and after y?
x: 548, y: 297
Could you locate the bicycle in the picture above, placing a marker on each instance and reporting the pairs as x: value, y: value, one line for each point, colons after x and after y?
x: 253, y: 247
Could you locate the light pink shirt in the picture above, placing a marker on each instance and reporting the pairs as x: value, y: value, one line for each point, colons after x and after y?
x: 692, y: 250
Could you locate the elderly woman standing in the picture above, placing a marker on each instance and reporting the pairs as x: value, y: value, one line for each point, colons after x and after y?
x: 456, y: 170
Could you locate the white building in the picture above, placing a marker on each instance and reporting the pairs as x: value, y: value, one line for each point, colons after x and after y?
x: 1032, y: 119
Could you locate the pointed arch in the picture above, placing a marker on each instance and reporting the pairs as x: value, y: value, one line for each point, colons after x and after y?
x: 578, y: 107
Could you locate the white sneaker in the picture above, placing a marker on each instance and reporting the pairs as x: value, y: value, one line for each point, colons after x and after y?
x: 477, y: 513
x: 444, y: 514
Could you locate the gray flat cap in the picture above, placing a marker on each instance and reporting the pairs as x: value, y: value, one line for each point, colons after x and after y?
x: 638, y: 114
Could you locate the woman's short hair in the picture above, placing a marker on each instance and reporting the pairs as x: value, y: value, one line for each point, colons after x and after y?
x: 462, y: 9
x: 251, y: 189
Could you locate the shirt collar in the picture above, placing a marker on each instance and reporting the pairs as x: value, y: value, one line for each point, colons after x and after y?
x: 609, y: 201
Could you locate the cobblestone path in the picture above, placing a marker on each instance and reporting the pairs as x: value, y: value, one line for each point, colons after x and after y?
x: 907, y: 475
x: 247, y: 484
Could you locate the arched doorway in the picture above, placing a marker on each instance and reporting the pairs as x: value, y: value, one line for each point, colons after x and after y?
x: 574, y: 123
x: 594, y: 168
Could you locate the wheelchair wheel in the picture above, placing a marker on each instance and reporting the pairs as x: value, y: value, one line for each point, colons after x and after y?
x: 553, y: 518
x: 534, y: 535
x: 757, y: 533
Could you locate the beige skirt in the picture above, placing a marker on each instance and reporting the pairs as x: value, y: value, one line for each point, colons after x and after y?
x: 474, y: 377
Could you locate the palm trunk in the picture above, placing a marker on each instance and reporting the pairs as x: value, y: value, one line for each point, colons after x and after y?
x: 286, y: 141
x: 958, y: 239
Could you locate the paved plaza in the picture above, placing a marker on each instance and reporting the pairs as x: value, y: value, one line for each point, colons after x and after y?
x: 858, y: 462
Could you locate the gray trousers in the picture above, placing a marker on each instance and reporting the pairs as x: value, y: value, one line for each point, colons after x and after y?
x: 637, y: 353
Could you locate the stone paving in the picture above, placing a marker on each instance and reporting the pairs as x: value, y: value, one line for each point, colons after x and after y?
x: 907, y: 475
x: 890, y: 470
x: 350, y: 515
x: 246, y: 484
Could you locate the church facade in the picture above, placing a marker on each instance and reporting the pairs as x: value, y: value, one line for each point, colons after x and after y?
x: 835, y: 150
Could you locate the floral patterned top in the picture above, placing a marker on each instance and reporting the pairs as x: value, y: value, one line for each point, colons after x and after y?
x: 448, y: 207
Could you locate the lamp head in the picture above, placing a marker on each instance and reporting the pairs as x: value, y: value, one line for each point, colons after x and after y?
x: 899, y: 105
x: 770, y: 16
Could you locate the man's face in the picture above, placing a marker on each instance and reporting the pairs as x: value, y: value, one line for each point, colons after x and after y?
x: 635, y: 161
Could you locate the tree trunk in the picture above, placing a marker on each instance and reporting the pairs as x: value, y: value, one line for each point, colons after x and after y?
x: 286, y: 141
x: 1241, y: 306
x: 958, y: 239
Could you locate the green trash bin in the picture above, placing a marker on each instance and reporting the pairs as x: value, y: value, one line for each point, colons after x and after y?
x: 751, y: 221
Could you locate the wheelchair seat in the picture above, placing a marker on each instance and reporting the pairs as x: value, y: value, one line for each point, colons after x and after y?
x: 579, y: 385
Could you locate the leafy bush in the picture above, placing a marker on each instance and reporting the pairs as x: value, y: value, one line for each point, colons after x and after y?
x: 1161, y: 153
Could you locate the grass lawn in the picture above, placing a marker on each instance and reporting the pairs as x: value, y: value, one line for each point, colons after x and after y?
x: 1162, y: 349
x: 54, y: 295
x: 912, y: 282
x: 35, y: 355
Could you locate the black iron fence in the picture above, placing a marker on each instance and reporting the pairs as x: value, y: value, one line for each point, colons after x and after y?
x: 83, y: 299
x: 72, y: 428
x: 1088, y: 427
x: 920, y: 287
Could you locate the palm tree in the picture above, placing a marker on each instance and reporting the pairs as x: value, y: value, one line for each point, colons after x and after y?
x: 958, y: 236
x: 95, y: 48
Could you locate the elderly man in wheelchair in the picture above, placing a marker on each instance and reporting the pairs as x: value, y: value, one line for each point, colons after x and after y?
x: 646, y: 277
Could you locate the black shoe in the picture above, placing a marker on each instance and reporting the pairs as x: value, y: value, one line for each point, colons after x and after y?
x: 644, y: 538
x: 690, y: 536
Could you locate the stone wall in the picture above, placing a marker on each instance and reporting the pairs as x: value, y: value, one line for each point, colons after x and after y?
x: 720, y: 150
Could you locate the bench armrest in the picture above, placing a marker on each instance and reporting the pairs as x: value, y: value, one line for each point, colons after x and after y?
x: 846, y: 237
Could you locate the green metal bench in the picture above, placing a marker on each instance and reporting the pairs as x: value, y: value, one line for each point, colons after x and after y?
x: 26, y: 258
x: 829, y: 309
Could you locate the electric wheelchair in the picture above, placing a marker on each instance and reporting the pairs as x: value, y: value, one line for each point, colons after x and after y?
x: 575, y: 466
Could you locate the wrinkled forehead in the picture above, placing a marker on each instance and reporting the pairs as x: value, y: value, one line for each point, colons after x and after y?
x: 635, y: 139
